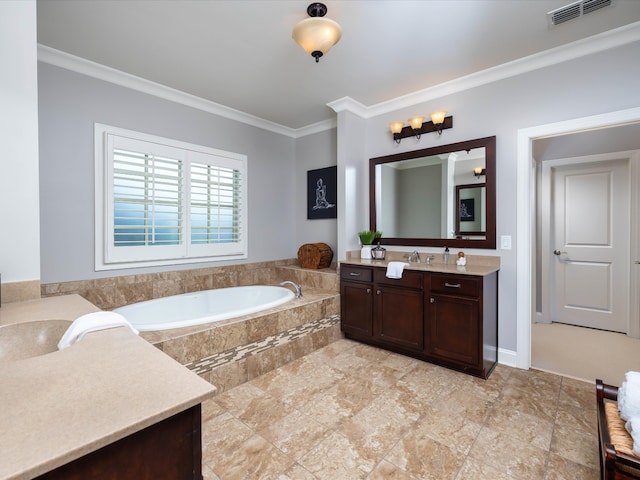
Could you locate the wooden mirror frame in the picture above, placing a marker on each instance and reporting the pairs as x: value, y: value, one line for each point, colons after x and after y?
x: 489, y: 144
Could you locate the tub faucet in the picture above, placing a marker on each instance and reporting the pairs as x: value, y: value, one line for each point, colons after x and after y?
x: 297, y: 287
x: 415, y: 255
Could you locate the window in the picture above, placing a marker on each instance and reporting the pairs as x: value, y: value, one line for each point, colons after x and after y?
x: 160, y: 201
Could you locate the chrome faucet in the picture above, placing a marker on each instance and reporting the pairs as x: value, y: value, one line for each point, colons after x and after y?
x: 297, y: 287
x: 412, y: 255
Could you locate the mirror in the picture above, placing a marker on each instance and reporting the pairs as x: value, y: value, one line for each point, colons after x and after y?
x: 471, y: 219
x: 415, y: 196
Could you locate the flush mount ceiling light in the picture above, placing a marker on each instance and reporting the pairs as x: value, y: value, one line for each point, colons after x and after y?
x: 316, y: 35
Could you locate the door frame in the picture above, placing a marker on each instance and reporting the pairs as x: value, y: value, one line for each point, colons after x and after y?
x: 525, y: 207
x: 547, y: 244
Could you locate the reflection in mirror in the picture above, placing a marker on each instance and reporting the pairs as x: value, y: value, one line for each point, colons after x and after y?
x: 471, y: 221
x: 415, y: 196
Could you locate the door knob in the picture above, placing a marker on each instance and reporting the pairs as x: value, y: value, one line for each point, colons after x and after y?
x: 558, y: 252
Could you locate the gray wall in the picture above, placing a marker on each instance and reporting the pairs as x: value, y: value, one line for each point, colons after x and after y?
x: 419, y: 202
x: 313, y: 152
x: 70, y: 104
x: 591, y: 85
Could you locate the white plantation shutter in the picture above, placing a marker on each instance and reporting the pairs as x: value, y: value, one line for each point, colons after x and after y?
x: 215, y: 206
x: 147, y: 199
x: 161, y: 201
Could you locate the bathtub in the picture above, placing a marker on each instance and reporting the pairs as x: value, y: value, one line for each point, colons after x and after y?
x: 203, y: 307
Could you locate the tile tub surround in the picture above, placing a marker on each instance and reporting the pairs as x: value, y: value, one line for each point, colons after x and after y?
x: 232, y: 352
x: 350, y: 411
x: 113, y: 292
x: 236, y: 350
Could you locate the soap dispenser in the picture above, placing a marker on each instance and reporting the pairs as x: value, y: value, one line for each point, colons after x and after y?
x: 446, y: 255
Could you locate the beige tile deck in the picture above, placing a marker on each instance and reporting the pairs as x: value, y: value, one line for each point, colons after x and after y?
x: 350, y: 411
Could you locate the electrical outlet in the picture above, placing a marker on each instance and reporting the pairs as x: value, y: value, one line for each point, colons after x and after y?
x: 505, y: 242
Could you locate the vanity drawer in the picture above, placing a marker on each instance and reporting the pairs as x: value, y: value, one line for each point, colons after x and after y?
x: 410, y: 279
x: 456, y: 284
x: 359, y: 274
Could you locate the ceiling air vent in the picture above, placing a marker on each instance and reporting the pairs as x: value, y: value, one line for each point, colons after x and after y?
x: 575, y: 10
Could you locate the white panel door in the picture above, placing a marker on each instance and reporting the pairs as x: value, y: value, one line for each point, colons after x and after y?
x: 591, y: 251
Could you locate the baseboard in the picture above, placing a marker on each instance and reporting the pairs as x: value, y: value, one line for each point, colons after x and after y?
x: 507, y: 357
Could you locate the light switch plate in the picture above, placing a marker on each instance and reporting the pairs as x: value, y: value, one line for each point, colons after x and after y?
x: 505, y: 242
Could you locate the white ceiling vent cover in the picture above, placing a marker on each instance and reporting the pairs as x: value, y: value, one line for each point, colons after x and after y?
x: 575, y: 10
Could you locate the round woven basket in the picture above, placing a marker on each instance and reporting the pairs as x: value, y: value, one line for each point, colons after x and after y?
x: 315, y: 255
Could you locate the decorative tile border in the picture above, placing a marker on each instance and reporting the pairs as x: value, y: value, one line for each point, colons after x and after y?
x: 241, y: 352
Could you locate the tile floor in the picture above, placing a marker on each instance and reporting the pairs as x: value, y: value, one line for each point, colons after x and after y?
x: 351, y: 411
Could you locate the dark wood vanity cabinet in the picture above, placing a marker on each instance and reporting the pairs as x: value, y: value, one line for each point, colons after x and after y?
x: 380, y: 309
x: 170, y: 449
x: 448, y: 319
x: 454, y: 319
x: 356, y: 301
x: 398, y: 310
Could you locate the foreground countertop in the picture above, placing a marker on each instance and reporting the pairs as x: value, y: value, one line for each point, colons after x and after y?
x: 58, y: 407
x: 479, y: 266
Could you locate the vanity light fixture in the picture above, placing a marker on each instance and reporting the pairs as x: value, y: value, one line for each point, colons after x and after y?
x: 479, y: 172
x: 396, y: 129
x: 437, y: 118
x: 417, y: 126
x: 316, y: 35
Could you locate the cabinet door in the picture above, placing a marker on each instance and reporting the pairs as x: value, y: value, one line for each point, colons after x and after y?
x: 454, y: 329
x: 398, y: 317
x: 356, y: 308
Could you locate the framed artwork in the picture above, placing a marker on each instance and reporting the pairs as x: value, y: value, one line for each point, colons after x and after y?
x: 322, y: 193
x: 467, y: 211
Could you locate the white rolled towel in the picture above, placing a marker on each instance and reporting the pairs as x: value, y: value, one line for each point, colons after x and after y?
x: 395, y: 269
x: 629, y: 396
x: 633, y: 427
x: 92, y: 322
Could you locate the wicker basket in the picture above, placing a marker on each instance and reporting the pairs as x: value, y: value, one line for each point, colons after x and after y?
x: 315, y: 255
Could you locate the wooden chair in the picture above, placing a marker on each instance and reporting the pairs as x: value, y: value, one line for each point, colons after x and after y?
x: 617, y: 460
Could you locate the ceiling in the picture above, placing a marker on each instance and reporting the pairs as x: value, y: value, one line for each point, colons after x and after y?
x: 240, y: 54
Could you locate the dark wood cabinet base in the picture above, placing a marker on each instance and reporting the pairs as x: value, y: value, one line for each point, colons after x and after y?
x: 169, y: 450
x: 444, y: 318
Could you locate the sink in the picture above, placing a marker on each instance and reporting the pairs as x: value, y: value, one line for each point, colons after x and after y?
x: 30, y: 339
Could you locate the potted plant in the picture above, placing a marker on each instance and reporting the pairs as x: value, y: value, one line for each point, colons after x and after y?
x: 367, y: 237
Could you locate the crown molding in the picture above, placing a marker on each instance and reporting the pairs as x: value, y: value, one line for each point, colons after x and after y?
x: 96, y: 70
x: 594, y: 44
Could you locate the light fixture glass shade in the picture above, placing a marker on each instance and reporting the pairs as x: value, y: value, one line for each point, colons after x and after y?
x: 438, y: 117
x: 317, y: 34
x: 396, y: 127
x: 416, y: 122
x: 477, y: 170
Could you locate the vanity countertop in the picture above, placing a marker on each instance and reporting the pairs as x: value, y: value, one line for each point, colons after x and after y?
x: 63, y: 405
x: 478, y: 266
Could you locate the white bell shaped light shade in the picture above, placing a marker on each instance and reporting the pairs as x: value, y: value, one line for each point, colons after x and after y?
x: 317, y: 34
x: 438, y: 117
x: 396, y: 127
x: 416, y: 122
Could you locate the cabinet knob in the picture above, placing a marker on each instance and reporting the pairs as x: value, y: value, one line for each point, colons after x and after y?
x: 354, y: 274
x: 368, y: 290
x: 452, y: 285
x: 378, y: 292
x: 432, y: 300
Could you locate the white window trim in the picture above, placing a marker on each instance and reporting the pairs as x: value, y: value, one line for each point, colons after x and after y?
x: 104, y: 258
